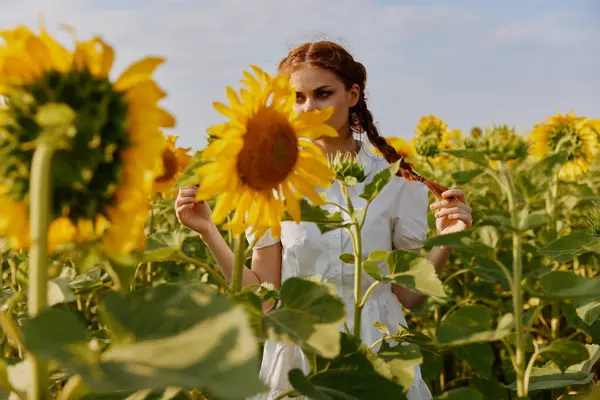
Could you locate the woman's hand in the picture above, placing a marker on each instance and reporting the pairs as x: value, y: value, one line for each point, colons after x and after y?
x: 454, y: 214
x: 192, y: 213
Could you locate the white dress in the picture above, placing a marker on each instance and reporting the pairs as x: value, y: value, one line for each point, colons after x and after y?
x: 397, y: 219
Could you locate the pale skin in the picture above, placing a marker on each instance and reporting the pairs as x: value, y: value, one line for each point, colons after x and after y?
x: 317, y: 89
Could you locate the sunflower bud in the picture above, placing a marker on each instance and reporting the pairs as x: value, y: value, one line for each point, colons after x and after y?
x: 347, y: 169
x: 427, y: 145
x: 502, y: 143
x: 476, y: 132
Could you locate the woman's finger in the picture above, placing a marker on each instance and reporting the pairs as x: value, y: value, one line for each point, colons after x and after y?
x: 184, y: 200
x: 448, y: 211
x: 456, y: 194
x: 464, y: 217
x: 187, y: 193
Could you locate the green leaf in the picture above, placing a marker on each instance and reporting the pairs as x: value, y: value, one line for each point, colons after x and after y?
x: 167, y: 322
x: 489, y: 270
x: 570, y: 245
x: 568, y: 285
x: 415, y: 273
x: 488, y: 235
x: 461, y: 394
x: 474, y: 156
x: 373, y: 270
x: 59, y: 291
x: 162, y: 246
x: 378, y: 255
x: 352, y: 375
x: 379, y: 181
x: 466, y: 240
x: 588, y: 309
x: 480, y: 356
x: 322, y: 218
x: 471, y: 324
x: 347, y: 258
x: 462, y: 177
x: 565, y: 353
x: 402, y: 360
x: 491, y: 389
x: 309, y: 315
x: 534, y: 220
x: 551, y: 377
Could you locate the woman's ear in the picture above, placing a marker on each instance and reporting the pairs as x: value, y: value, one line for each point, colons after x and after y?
x: 353, y: 95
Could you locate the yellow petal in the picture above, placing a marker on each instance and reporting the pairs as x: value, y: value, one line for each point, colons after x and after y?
x: 138, y: 72
x: 229, y: 147
x: 310, y: 119
x: 227, y: 111
x: 317, y: 132
x: 225, y: 203
x: 291, y: 202
x: 306, y: 190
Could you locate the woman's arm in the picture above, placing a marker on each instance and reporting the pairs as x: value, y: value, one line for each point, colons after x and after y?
x: 266, y: 262
x: 454, y: 215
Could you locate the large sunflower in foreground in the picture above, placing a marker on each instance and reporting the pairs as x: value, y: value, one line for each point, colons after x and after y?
x: 102, y: 180
x: 263, y: 160
x: 576, y: 135
x: 174, y: 161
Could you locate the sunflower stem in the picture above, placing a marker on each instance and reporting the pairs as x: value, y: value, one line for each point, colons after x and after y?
x: 517, y: 290
x: 354, y: 231
x: 39, y: 216
x: 238, y: 263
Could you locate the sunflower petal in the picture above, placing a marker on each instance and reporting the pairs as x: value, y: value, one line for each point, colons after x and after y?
x: 138, y: 72
x: 226, y: 202
x: 306, y: 189
x: 310, y: 119
x: 291, y: 202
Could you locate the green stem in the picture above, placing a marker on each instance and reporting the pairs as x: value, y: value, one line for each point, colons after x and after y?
x: 368, y: 293
x: 284, y: 395
x: 39, y: 217
x: 517, y: 290
x: 530, y: 366
x: 357, y: 246
x: 357, y: 280
x: 238, y: 263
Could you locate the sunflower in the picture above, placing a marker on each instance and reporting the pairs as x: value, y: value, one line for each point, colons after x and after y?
x: 173, y: 162
x: 577, y: 135
x: 431, y: 125
x: 262, y: 160
x: 102, y: 180
x: 429, y: 133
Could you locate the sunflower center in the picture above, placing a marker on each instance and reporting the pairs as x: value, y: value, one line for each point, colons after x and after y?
x: 84, y: 176
x: 270, y: 150
x: 169, y: 166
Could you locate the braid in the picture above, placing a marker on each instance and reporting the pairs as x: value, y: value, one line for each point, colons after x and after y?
x: 390, y: 154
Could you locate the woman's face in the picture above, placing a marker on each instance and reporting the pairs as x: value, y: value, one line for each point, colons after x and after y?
x: 317, y: 89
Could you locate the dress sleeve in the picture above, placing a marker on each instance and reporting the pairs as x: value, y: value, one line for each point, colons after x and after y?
x: 409, y: 220
x: 266, y: 240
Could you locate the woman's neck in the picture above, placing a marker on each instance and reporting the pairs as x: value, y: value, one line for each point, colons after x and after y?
x: 344, y: 143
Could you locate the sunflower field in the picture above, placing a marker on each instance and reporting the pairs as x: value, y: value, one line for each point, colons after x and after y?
x: 105, y: 295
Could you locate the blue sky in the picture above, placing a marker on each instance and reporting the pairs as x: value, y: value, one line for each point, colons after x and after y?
x: 469, y: 62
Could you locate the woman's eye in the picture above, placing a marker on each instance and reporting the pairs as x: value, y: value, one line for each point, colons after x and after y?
x: 323, y: 94
x: 300, y: 98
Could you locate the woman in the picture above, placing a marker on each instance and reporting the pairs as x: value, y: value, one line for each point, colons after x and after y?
x: 324, y: 74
